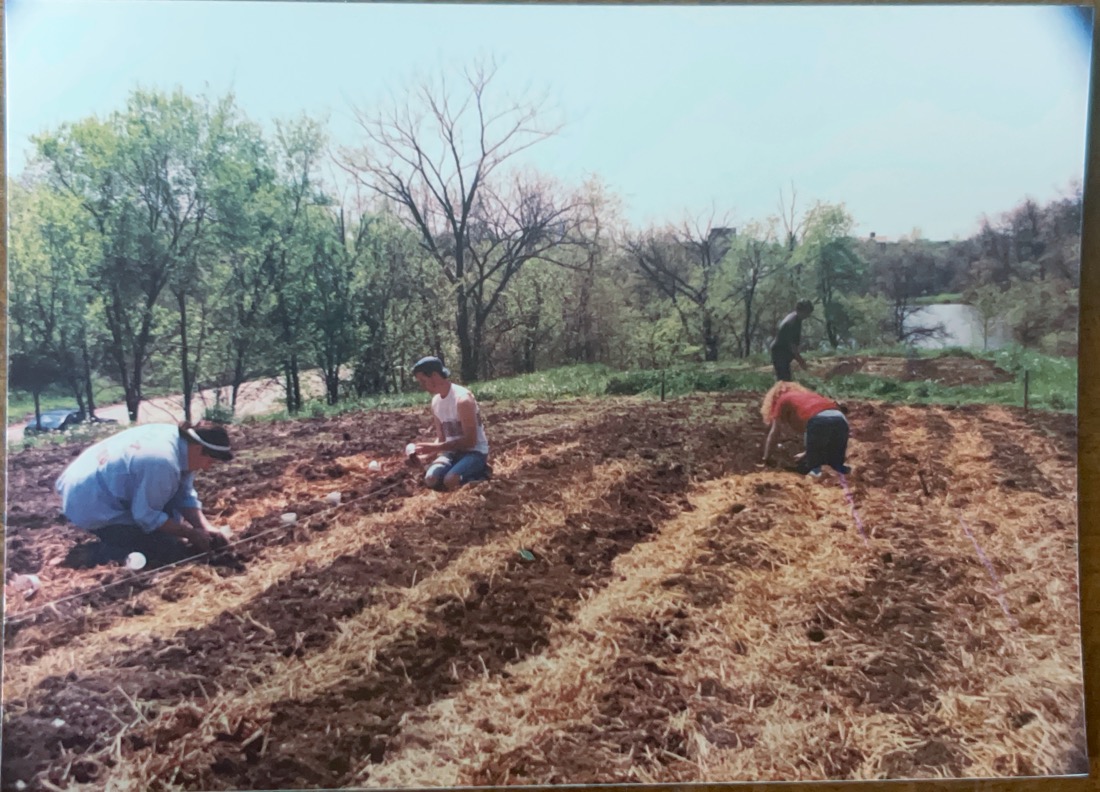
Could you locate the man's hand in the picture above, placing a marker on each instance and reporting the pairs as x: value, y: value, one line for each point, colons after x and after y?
x: 200, y: 540
x: 428, y: 448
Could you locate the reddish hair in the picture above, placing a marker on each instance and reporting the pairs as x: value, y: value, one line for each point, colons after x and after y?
x: 768, y: 410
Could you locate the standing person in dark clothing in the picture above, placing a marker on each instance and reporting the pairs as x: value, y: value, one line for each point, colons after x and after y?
x: 785, y: 346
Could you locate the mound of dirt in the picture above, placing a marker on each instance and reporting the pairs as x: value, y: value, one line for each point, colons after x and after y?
x: 951, y: 371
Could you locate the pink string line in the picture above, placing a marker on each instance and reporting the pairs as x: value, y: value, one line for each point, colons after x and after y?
x: 855, y: 514
x: 992, y: 574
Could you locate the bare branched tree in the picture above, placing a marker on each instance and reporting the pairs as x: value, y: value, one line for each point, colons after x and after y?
x: 682, y: 262
x: 757, y: 260
x: 438, y: 157
x: 793, y: 226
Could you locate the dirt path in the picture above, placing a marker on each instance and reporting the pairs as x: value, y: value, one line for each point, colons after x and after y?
x: 259, y: 397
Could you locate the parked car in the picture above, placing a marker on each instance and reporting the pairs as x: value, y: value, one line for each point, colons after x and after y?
x: 61, y: 419
x: 56, y: 420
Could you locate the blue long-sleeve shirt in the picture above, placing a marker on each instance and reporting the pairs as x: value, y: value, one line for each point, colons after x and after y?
x: 136, y: 477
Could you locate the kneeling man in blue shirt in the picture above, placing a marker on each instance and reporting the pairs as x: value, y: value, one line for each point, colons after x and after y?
x: 136, y: 490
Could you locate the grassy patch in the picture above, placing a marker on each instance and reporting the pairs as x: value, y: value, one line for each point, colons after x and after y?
x: 940, y: 299
x: 1052, y: 383
x: 566, y: 382
x: 682, y: 380
x: 21, y: 403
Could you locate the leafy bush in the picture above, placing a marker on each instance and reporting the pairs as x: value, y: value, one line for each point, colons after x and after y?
x: 218, y: 413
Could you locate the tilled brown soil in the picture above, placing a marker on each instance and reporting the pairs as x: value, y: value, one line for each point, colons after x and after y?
x: 235, y: 695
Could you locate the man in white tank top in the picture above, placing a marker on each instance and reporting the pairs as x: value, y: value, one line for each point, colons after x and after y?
x: 461, y: 445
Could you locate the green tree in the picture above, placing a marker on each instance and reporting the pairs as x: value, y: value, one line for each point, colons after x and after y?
x: 828, y: 251
x: 992, y: 306
x: 300, y: 145
x: 139, y: 176
x: 394, y: 297
x: 337, y: 250
x: 248, y: 238
x: 902, y: 273
x: 756, y: 256
x: 51, y: 304
x: 34, y: 371
x: 684, y: 264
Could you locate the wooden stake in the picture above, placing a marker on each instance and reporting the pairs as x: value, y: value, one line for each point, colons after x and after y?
x: 1027, y: 377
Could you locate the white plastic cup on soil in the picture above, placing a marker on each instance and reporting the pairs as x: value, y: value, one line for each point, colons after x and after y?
x: 27, y: 584
x: 333, y: 498
x: 374, y: 466
x: 135, y: 561
x: 289, y: 518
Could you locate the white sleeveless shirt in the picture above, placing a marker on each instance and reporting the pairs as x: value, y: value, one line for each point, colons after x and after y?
x: 446, y: 412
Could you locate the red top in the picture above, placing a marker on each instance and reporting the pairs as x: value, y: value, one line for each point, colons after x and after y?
x: 804, y: 404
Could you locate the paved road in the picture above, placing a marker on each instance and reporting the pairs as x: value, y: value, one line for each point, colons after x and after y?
x: 258, y: 397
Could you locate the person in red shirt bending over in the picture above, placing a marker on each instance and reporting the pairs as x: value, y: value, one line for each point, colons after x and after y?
x: 800, y: 410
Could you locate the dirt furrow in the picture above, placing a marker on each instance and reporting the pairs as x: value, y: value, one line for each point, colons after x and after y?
x: 505, y: 620
x: 493, y: 728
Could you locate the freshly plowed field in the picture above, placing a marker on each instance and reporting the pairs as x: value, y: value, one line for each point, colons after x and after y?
x: 688, y: 615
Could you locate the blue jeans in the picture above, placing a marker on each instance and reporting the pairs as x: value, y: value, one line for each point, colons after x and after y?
x: 467, y: 465
x: 826, y: 441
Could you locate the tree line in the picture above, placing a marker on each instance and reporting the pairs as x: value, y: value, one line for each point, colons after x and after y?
x: 176, y: 244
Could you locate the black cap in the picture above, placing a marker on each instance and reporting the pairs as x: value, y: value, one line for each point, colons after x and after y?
x: 214, y: 441
x: 431, y: 365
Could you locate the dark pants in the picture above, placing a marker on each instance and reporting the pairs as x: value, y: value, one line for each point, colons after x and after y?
x: 826, y: 442
x: 118, y: 541
x: 782, y: 365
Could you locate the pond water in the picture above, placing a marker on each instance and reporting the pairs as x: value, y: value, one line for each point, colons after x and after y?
x: 963, y: 325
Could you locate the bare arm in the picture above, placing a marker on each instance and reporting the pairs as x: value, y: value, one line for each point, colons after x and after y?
x: 195, y: 535
x: 197, y: 519
x: 467, y: 414
x: 431, y: 448
x: 772, y: 434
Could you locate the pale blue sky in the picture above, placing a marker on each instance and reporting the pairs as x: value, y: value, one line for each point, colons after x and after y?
x: 913, y: 116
